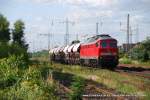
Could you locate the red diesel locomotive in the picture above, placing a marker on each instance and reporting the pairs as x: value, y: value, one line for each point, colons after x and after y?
x: 100, y: 50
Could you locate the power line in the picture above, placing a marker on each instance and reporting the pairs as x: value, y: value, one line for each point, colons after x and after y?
x: 97, y: 28
x: 137, y: 33
x: 127, y: 47
x: 49, y: 35
x: 130, y: 45
x: 48, y: 39
x: 66, y: 38
x: 77, y: 36
x: 128, y: 32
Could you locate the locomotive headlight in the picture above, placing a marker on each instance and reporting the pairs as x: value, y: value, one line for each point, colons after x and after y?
x: 100, y: 59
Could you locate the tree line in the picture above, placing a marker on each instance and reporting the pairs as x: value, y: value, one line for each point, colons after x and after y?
x: 12, y: 41
x: 141, y: 51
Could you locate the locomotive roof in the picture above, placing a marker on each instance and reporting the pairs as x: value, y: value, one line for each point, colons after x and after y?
x: 96, y: 37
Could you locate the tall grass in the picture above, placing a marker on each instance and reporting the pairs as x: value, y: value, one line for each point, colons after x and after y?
x: 125, y: 60
x: 77, y: 87
x: 20, y: 81
x: 122, y: 83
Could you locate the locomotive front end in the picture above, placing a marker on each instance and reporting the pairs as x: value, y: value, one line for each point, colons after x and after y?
x: 108, y: 53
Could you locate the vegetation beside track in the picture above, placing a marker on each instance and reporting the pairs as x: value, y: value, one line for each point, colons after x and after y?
x: 21, y: 81
x: 139, y: 55
x: 33, y: 81
x: 134, y: 63
x: 123, y: 83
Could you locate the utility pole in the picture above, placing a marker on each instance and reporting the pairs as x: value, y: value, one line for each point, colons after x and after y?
x: 66, y: 37
x: 97, y: 28
x: 130, y: 42
x: 128, y: 32
x: 137, y: 33
x: 101, y: 23
x: 77, y: 37
x: 34, y: 46
x: 48, y: 37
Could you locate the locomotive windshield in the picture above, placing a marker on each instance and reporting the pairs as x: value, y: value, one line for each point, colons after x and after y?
x: 113, y: 44
x: 104, y: 44
x: 94, y: 38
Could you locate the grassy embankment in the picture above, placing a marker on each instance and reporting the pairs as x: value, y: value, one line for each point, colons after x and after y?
x: 136, y: 63
x: 124, y: 83
x: 25, y: 82
x: 33, y: 82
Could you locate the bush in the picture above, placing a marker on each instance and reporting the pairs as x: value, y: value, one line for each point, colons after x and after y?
x: 141, y: 51
x: 125, y: 60
x: 10, y: 70
x: 28, y: 84
x: 7, y: 50
x: 4, y: 50
x: 121, y: 53
x: 77, y: 87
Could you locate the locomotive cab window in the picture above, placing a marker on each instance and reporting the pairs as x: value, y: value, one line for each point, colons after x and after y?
x: 113, y: 44
x: 103, y: 44
x: 96, y: 44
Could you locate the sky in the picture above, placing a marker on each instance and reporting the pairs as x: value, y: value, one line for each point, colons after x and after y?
x: 48, y: 16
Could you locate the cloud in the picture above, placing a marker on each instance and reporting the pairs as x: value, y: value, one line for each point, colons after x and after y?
x: 79, y: 14
x: 79, y: 2
x: 105, y: 13
x: 101, y: 2
x: 146, y: 1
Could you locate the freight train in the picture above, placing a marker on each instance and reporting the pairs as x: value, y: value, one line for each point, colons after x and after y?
x: 96, y: 51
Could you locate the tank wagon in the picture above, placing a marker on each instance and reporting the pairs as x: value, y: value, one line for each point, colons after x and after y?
x: 100, y: 50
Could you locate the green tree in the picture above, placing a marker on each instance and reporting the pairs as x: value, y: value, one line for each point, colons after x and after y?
x: 141, y: 51
x: 19, y: 47
x: 146, y: 44
x: 4, y: 29
x: 18, y: 34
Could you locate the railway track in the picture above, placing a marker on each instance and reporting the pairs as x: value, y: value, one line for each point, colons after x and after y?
x: 140, y: 74
x: 137, y: 71
x: 98, y: 92
x: 94, y: 92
